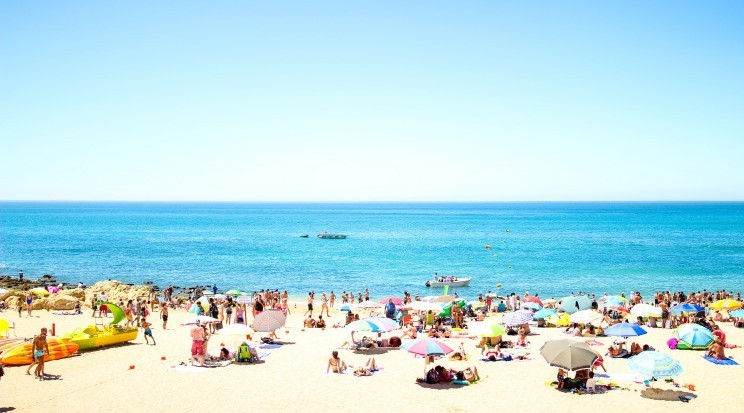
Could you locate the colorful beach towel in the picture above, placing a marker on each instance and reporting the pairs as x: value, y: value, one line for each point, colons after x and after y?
x: 594, y: 342
x: 726, y: 362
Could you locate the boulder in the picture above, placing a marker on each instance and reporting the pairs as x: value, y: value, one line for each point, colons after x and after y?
x: 77, y: 293
x: 117, y: 291
x: 60, y: 302
x: 12, y: 302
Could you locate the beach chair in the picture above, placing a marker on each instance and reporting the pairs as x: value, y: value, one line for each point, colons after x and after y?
x: 5, y: 328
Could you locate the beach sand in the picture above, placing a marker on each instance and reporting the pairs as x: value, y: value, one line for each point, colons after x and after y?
x: 293, y: 377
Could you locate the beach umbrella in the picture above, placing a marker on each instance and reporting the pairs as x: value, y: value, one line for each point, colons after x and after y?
x: 269, y: 320
x: 477, y: 304
x: 544, y: 313
x: 532, y: 299
x: 625, y: 330
x: 560, y: 320
x: 695, y: 336
x: 442, y: 299
x: 427, y: 347
x: 235, y: 330
x: 655, y: 364
x: 234, y: 292
x: 531, y: 306
x: 203, y: 319
x: 397, y: 301
x: 646, y: 310
x: 619, y: 309
x: 426, y: 306
x: 374, y: 324
x: 488, y: 329
x: 219, y: 296
x: 549, y: 301
x: 516, y: 318
x: 369, y: 304
x: 568, y: 354
x: 205, y: 305
x: 572, y: 304
x: 737, y: 314
x: 685, y: 308
x: 345, y: 307
x: 586, y: 317
x: 726, y: 304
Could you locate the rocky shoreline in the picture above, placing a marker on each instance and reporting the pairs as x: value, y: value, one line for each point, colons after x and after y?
x: 69, y: 294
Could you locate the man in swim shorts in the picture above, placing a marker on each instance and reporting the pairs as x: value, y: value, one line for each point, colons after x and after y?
x: 197, y: 344
x: 148, y: 331
x: 41, y: 347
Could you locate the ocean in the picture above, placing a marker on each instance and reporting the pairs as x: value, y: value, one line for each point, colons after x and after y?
x: 548, y: 248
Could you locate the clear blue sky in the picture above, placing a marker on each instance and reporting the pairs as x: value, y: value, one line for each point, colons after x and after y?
x: 378, y: 101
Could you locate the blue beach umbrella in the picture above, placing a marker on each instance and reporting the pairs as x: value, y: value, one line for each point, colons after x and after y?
x: 544, y: 313
x: 625, y: 330
x: 531, y: 306
x: 345, y: 307
x: 694, y: 335
x: 737, y: 314
x: 572, y: 304
x: 655, y: 364
x: 685, y: 308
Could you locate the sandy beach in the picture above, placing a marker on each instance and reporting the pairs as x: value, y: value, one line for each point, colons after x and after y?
x: 293, y: 376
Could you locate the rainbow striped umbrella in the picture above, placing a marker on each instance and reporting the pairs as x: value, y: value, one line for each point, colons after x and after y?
x: 427, y: 347
x: 374, y: 324
x: 517, y: 318
x: 655, y: 364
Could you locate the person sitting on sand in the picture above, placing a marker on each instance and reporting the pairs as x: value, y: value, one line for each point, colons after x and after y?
x: 309, y: 322
x: 335, y: 363
x: 521, y: 338
x: 716, y: 350
x: 320, y: 323
x: 635, y: 349
x: 410, y: 332
x: 349, y: 317
x: 367, y: 369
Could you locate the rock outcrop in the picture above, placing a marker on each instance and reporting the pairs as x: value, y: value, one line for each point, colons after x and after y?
x: 117, y: 291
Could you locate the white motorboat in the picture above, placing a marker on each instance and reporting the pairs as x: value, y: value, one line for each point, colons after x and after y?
x: 327, y: 235
x: 451, y: 281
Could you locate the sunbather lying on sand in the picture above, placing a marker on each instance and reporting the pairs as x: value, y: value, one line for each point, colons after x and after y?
x: 367, y: 369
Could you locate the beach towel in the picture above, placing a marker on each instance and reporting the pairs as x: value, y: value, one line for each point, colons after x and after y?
x: 269, y: 346
x: 198, y: 369
x: 725, y: 362
x: 593, y: 342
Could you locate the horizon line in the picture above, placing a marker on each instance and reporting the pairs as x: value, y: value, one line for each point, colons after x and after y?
x: 139, y: 201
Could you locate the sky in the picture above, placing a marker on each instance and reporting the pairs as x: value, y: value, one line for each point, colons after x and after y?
x: 371, y: 101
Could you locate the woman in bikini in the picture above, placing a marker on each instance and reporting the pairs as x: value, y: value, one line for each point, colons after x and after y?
x: 335, y: 363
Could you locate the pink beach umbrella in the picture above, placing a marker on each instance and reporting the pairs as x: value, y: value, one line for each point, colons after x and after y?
x: 533, y: 299
x: 427, y: 347
x: 397, y: 301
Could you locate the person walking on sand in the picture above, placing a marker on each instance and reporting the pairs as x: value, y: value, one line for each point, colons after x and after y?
x: 164, y: 315
x: 309, y: 304
x: 148, y: 331
x: 324, y: 305
x: 29, y: 301
x: 332, y: 299
x: 40, y: 347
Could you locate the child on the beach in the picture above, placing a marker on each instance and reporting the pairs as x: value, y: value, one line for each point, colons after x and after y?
x: 148, y: 331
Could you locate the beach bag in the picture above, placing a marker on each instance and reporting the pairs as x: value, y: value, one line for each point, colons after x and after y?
x: 432, y: 377
x: 244, y: 353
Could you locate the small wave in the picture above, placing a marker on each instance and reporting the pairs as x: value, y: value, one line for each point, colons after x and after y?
x: 3, y: 265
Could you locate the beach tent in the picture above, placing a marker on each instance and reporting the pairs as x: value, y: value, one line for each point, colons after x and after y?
x: 572, y: 304
x: 205, y: 305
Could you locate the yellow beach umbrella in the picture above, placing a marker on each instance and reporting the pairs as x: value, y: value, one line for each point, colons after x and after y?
x: 726, y: 304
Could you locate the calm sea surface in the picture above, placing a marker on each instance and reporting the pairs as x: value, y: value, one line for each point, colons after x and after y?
x: 549, y: 248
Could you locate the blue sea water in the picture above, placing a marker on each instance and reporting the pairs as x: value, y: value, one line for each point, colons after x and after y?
x: 549, y: 248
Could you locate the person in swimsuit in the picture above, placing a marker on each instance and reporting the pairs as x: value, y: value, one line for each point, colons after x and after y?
x: 29, y: 301
x: 197, y: 343
x: 335, y: 363
x: 41, y: 347
x: 148, y: 331
x: 228, y: 313
x: 164, y: 315
x: 309, y: 304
